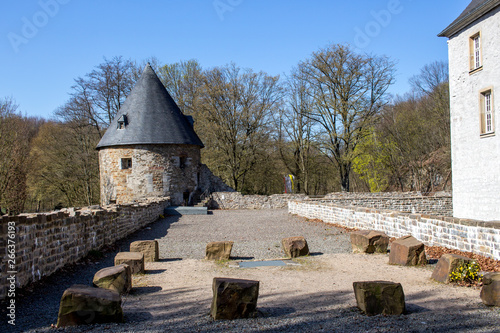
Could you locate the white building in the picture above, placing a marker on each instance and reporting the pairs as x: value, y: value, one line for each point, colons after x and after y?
x: 474, y: 60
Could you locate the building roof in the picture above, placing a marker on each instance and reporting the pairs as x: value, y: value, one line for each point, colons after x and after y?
x: 474, y: 10
x: 149, y: 116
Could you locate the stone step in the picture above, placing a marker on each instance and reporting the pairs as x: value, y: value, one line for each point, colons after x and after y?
x: 185, y: 210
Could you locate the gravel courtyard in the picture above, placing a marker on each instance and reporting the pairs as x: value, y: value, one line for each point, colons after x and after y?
x: 315, y: 296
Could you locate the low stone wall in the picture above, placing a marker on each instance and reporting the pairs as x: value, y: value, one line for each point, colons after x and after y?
x: 462, y: 234
x: 439, y: 203
x: 45, y: 242
x: 409, y: 202
x: 236, y: 200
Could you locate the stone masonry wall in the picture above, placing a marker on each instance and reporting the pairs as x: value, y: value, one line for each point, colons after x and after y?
x: 236, y: 200
x: 45, y: 242
x: 410, y: 202
x: 439, y: 203
x: 211, y: 182
x: 157, y: 171
x: 466, y: 235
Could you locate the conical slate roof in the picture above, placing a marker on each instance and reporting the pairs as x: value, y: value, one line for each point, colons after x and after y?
x: 149, y: 116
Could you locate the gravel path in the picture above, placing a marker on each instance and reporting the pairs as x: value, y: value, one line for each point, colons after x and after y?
x: 256, y: 234
x: 175, y: 294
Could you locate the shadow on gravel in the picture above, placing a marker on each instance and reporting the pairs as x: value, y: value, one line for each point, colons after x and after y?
x: 155, y: 230
x: 37, y: 304
x: 183, y: 310
x: 270, y: 312
x: 144, y: 290
x: 241, y: 258
x: 137, y: 316
x: 169, y: 259
x: 413, y: 308
x: 154, y: 271
x: 313, y: 312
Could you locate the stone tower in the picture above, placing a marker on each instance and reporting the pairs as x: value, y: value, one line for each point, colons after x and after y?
x: 150, y: 148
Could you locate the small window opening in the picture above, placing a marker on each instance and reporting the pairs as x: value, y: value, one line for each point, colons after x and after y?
x: 126, y: 163
x: 182, y: 161
x: 122, y: 121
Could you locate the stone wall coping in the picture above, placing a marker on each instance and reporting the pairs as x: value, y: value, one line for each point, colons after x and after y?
x: 284, y: 195
x: 402, y: 197
x: 355, y: 195
x: 392, y: 213
x: 80, y: 211
x: 47, y: 241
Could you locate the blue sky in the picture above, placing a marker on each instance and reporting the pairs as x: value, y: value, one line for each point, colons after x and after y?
x: 46, y: 44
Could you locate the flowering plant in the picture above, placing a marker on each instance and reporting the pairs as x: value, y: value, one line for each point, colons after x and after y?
x: 467, y: 272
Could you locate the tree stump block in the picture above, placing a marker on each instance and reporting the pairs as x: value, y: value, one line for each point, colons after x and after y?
x: 407, y: 251
x: 147, y: 247
x: 447, y: 264
x: 490, y: 292
x: 234, y: 298
x: 218, y: 250
x: 369, y: 241
x: 379, y: 297
x: 295, y: 246
x: 134, y: 259
x: 117, y: 278
x: 82, y: 305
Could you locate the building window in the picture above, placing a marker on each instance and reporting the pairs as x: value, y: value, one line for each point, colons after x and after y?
x: 475, y: 52
x: 126, y: 163
x: 487, y: 116
x: 182, y: 161
x: 122, y: 122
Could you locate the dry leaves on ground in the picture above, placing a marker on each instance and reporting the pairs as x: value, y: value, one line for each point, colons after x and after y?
x: 486, y: 264
x: 435, y: 252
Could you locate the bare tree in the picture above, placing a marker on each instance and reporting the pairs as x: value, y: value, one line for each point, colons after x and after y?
x: 94, y: 101
x: 348, y: 90
x: 111, y: 83
x: 238, y: 105
x: 64, y: 165
x: 96, y: 98
x: 296, y: 131
x: 417, y: 128
x: 16, y: 133
x: 184, y: 81
x: 431, y: 76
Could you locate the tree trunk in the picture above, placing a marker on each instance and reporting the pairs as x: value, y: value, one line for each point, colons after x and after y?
x: 344, y: 176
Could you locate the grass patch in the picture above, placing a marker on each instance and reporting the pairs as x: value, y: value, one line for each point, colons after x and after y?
x: 222, y: 263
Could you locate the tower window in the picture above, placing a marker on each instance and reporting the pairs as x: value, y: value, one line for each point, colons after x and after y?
x: 122, y: 121
x: 126, y: 163
x: 182, y: 161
